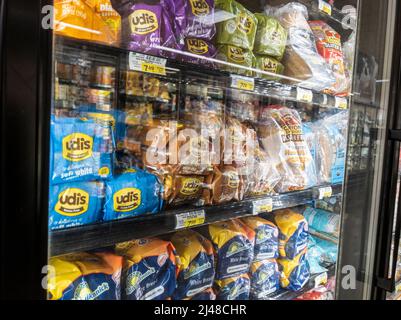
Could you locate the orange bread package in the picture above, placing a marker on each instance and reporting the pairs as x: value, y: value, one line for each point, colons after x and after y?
x: 93, y: 20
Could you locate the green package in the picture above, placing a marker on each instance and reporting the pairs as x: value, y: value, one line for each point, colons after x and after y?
x: 239, y: 29
x: 236, y: 55
x: 268, y: 64
x: 271, y: 37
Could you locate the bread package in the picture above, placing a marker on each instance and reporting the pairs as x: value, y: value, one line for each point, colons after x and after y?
x: 224, y: 185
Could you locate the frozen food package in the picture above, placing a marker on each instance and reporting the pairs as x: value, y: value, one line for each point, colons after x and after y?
x: 195, y: 262
x: 202, y: 48
x: 233, y: 288
x: 236, y: 56
x: 271, y: 37
x: 294, y: 273
x: 301, y: 59
x: 328, y: 43
x: 239, y: 27
x: 75, y: 204
x: 265, y: 279
x: 146, y: 28
x: 233, y: 244
x: 268, y: 64
x: 224, y: 185
x: 293, y: 233
x: 76, y: 150
x: 132, y: 193
x: 149, y: 269
x: 322, y: 221
x: 85, y: 276
x: 266, y: 238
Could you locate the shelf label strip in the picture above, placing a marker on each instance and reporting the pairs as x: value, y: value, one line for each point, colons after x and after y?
x: 242, y: 83
x: 261, y: 206
x: 190, y: 219
x: 144, y: 63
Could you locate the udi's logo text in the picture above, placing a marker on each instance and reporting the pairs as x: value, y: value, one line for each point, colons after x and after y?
x: 77, y: 147
x: 72, y: 202
x: 245, y: 23
x: 199, y: 7
x: 190, y: 186
x: 236, y: 54
x: 127, y: 199
x: 143, y: 22
x: 197, y: 46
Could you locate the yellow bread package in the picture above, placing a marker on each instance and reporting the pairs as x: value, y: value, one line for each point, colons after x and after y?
x: 88, y: 20
x: 85, y: 276
x: 294, y: 274
x: 293, y: 233
x: 195, y: 262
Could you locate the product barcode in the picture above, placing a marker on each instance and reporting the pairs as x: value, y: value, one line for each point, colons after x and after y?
x: 263, y: 205
x: 190, y: 219
x: 145, y: 63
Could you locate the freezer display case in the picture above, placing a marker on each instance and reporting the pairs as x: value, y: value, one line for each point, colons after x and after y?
x: 213, y: 149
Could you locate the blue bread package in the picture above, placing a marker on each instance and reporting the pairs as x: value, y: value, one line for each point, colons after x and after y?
x: 234, y: 288
x: 195, y: 262
x: 233, y: 244
x: 76, y: 151
x: 322, y: 221
x: 265, y: 279
x: 295, y: 273
x: 85, y: 276
x: 75, y: 204
x: 293, y: 233
x: 149, y: 269
x: 266, y: 238
x: 132, y: 193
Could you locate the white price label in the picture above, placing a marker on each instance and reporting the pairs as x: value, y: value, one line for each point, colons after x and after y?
x: 242, y: 83
x: 190, y: 219
x: 325, y: 192
x: 341, y: 103
x: 325, y: 7
x: 304, y: 95
x: 321, y: 279
x: 261, y: 206
x: 144, y: 63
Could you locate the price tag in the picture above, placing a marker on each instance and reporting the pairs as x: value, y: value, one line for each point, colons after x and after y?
x: 263, y: 205
x: 325, y: 7
x: 304, y: 95
x: 321, y: 279
x: 325, y: 100
x: 145, y: 63
x: 325, y: 192
x: 242, y: 83
x: 341, y: 103
x: 190, y: 219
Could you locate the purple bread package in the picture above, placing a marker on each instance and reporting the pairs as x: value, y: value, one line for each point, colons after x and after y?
x: 201, y: 48
x: 146, y: 27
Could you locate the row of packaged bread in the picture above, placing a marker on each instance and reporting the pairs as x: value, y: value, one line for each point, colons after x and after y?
x: 221, y: 34
x: 238, y: 259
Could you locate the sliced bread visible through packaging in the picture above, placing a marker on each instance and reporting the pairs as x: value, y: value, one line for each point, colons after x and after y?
x: 134, y: 192
x: 294, y: 273
x: 76, y: 150
x: 75, y: 204
x: 266, y: 238
x: 293, y: 233
x: 233, y: 288
x: 265, y: 279
x: 224, y: 186
x: 195, y: 262
x: 233, y: 244
x: 149, y: 269
x: 85, y: 276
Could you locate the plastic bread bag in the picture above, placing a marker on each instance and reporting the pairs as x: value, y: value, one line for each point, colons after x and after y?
x: 75, y: 204
x: 233, y: 288
x: 328, y: 43
x: 322, y: 221
x: 239, y: 26
x: 294, y: 273
x: 85, y: 276
x: 233, y: 244
x: 235, y: 56
x: 314, y: 257
x: 266, y: 238
x: 301, y: 59
x: 271, y: 37
x: 149, y: 269
x: 224, y: 186
x: 201, y: 48
x: 195, y: 261
x: 268, y: 64
x: 146, y: 28
x: 234, y: 142
x: 185, y: 189
x: 265, y: 279
x: 310, y: 166
x: 134, y: 192
x: 293, y: 233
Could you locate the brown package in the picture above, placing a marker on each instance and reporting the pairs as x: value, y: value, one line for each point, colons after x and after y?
x: 224, y: 186
x: 185, y: 189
